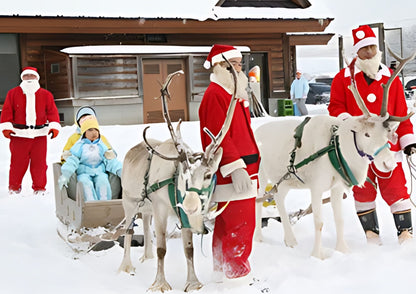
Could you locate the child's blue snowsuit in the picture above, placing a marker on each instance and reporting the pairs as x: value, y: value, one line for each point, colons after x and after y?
x: 88, y: 161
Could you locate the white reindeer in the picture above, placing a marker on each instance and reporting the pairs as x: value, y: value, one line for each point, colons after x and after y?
x: 192, y: 176
x: 354, y: 142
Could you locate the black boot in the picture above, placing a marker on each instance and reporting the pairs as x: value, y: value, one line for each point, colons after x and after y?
x: 369, y: 220
x: 403, y: 221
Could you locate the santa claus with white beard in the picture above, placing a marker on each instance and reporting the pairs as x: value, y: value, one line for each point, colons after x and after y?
x: 369, y: 75
x: 29, y: 114
x: 237, y: 176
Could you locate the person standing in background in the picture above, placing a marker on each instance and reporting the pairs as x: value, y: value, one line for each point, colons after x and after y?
x: 299, y: 92
x: 29, y: 114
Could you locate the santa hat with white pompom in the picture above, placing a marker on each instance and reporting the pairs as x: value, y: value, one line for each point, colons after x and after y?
x: 218, y: 51
x: 363, y: 36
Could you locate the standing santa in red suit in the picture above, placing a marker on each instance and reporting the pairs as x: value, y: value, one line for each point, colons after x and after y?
x: 369, y: 74
x: 29, y: 114
x: 237, y: 180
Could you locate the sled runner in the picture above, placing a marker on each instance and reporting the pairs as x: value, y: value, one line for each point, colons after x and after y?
x: 84, y: 224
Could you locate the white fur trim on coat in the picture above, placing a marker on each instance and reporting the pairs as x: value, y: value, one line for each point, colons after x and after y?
x: 363, y: 206
x: 383, y: 71
x: 226, y: 192
x: 6, y: 126
x: 400, y: 205
x: 227, y: 169
x: 55, y: 125
x: 30, y: 109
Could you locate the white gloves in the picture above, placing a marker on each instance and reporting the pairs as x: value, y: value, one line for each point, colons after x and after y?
x: 241, y: 180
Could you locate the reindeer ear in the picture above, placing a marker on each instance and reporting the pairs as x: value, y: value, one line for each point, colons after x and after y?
x: 217, y: 158
x: 392, y: 127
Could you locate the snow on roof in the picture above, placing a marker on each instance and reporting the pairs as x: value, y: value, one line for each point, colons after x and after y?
x: 187, y: 9
x: 141, y: 49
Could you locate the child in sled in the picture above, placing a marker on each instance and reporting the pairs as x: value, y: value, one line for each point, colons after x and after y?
x: 83, y: 114
x: 89, y: 162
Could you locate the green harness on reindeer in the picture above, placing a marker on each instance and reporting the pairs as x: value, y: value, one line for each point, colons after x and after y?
x: 175, y: 196
x: 333, y: 151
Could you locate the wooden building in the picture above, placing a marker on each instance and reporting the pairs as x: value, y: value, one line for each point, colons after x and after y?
x: 118, y: 83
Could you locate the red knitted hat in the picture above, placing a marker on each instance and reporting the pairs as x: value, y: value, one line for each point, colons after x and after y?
x: 363, y: 36
x: 30, y: 70
x: 215, y: 55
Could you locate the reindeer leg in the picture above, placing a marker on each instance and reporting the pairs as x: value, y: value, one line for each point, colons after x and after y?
x: 192, y: 282
x: 279, y: 197
x: 336, y: 203
x: 126, y: 265
x: 258, y: 236
x: 147, y: 232
x: 160, y: 283
x: 317, y: 218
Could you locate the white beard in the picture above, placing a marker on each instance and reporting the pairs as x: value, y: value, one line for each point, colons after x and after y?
x: 223, y: 77
x: 370, y: 66
x: 30, y: 86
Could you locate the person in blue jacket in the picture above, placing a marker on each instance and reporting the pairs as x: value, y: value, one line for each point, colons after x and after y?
x: 88, y: 161
x: 299, y: 92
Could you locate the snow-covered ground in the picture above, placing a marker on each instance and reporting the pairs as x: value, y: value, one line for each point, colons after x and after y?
x: 35, y: 260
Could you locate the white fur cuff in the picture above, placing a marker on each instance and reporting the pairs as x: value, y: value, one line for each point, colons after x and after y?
x: 55, y: 125
x: 227, y: 169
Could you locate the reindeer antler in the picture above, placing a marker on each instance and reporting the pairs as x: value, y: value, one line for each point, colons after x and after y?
x: 386, y: 87
x: 153, y: 150
x: 216, y: 140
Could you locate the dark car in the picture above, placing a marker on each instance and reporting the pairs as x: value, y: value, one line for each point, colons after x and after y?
x: 319, y: 93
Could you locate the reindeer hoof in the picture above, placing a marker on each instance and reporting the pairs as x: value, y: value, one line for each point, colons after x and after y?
x: 291, y: 242
x: 191, y: 286
x: 160, y: 287
x: 342, y: 247
x: 321, y: 253
x: 128, y: 269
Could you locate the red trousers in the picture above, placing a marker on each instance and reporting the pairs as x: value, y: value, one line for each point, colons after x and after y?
x: 392, y: 188
x: 25, y: 151
x: 233, y: 237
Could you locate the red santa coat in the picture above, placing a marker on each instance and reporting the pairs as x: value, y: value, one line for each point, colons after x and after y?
x: 239, y: 141
x: 342, y: 104
x: 20, y: 110
x: 234, y: 227
x: 27, y: 116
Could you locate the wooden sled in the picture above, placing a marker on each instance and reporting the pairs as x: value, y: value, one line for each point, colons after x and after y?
x: 83, y: 224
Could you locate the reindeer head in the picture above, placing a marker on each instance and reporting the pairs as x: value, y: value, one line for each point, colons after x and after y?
x: 196, y: 171
x: 371, y: 136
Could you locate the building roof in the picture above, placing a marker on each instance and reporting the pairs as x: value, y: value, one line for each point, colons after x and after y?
x: 265, y: 3
x: 100, y: 25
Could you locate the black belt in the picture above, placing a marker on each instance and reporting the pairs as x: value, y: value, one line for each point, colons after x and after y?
x: 24, y: 127
x: 249, y: 159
